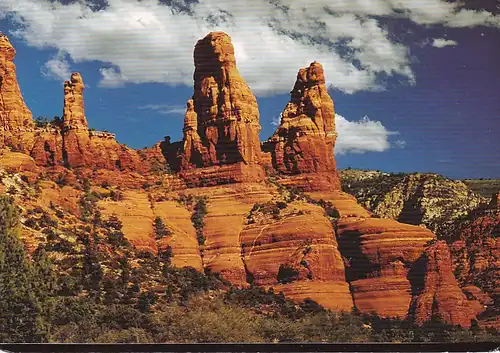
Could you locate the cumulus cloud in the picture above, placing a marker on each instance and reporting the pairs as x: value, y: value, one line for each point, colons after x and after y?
x: 152, y: 40
x: 165, y: 109
x: 442, y: 42
x: 57, y: 68
x: 362, y: 136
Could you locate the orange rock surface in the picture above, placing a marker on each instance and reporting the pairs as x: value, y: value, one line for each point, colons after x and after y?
x: 228, y: 207
x: 304, y: 141
x: 298, y: 255
x: 137, y: 218
x: 221, y: 124
x: 441, y: 296
x: 379, y: 253
x: 15, y: 117
x: 183, y: 238
x: 84, y: 148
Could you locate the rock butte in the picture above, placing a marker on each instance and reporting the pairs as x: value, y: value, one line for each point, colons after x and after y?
x: 376, y: 265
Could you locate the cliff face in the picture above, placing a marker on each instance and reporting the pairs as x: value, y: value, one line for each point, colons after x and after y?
x: 253, y: 231
x: 221, y: 126
x: 15, y: 117
x: 441, y: 296
x: 304, y: 141
x: 380, y: 254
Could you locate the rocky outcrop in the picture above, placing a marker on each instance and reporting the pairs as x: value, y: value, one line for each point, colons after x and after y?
x: 304, y: 141
x: 379, y: 254
x: 76, y: 139
x: 429, y: 199
x: 15, y: 117
x: 221, y: 125
x: 441, y: 297
x: 297, y: 254
x: 475, y: 251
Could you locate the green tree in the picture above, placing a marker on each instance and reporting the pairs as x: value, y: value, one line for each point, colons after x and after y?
x: 21, y: 309
x: 160, y: 229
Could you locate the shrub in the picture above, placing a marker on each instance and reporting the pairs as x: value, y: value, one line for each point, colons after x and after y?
x: 198, y: 219
x: 287, y: 274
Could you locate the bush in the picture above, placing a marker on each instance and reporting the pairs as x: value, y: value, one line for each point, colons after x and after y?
x: 287, y: 274
x: 198, y: 219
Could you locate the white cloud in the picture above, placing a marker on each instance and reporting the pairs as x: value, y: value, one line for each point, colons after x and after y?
x: 276, y: 121
x: 442, y: 42
x: 146, y: 41
x: 165, y: 109
x: 362, y: 136
x: 111, y: 78
x: 57, y: 68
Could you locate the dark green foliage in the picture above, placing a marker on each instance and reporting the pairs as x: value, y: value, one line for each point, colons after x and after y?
x: 166, y: 255
x: 160, y: 229
x: 24, y: 287
x: 287, y: 274
x: 198, y: 219
x: 92, y: 270
x: 145, y: 301
x: 43, y: 122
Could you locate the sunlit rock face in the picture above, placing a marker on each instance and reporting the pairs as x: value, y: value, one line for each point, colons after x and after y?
x: 305, y: 139
x: 441, y: 296
x: 15, y: 117
x: 221, y: 126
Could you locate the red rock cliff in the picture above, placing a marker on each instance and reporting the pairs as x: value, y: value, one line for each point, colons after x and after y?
x: 222, y: 120
x: 304, y: 141
x: 15, y: 117
x: 441, y: 296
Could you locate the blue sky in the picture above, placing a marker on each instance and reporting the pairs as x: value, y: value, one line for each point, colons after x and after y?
x: 415, y: 84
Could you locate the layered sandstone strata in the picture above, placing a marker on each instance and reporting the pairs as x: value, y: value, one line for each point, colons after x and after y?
x: 297, y: 254
x: 304, y: 141
x: 379, y: 255
x: 441, y: 296
x: 221, y: 125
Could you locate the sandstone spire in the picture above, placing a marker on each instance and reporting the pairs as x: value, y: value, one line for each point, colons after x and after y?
x: 222, y: 122
x: 304, y: 141
x: 74, y: 113
x: 14, y: 114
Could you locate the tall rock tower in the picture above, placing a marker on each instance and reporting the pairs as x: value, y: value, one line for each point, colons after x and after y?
x: 75, y: 128
x: 15, y: 117
x: 221, y: 126
x: 303, y: 143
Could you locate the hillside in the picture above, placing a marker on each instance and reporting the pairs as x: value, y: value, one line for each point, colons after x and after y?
x: 428, y: 199
x: 220, y: 237
x: 483, y: 187
x: 469, y: 222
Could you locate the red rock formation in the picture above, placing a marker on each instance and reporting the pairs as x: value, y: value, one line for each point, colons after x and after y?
x: 76, y: 137
x: 476, y: 257
x: 304, y: 141
x: 441, y: 296
x: 91, y: 149
x: 298, y: 255
x: 15, y: 117
x: 221, y: 125
x: 379, y: 253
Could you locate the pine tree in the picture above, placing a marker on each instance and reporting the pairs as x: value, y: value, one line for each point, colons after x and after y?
x: 21, y: 318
